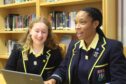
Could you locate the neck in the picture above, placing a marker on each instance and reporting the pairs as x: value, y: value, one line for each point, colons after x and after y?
x: 89, y: 40
x: 37, y: 48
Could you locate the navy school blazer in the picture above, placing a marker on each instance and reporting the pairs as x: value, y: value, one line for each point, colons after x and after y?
x: 110, y: 59
x: 50, y: 61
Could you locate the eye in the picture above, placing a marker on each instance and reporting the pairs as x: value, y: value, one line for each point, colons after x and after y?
x: 37, y: 31
x: 43, y: 31
x: 82, y: 22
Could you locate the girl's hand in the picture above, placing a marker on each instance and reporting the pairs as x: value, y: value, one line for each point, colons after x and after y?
x: 51, y: 81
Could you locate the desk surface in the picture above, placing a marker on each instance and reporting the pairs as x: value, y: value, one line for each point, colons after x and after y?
x: 2, y: 81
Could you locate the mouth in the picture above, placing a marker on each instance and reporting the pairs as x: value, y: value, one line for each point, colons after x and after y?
x: 39, y: 39
x: 79, y: 34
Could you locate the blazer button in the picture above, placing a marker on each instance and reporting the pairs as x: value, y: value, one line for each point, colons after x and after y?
x: 43, y: 61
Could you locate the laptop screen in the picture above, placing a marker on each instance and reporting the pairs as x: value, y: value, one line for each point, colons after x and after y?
x: 14, y: 77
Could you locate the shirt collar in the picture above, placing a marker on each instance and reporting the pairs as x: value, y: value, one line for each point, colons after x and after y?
x: 92, y: 45
x: 36, y: 54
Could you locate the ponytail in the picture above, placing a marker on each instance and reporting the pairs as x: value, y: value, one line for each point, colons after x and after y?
x: 100, y: 32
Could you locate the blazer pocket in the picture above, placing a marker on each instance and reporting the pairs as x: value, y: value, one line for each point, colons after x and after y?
x: 102, y: 65
x: 49, y: 68
x: 102, y: 73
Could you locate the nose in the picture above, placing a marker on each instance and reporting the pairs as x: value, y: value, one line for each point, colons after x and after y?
x: 77, y: 26
x: 40, y: 34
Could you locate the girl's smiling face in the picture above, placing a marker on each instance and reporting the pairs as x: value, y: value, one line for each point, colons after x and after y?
x: 39, y: 33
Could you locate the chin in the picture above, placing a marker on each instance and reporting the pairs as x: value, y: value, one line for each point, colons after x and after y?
x: 80, y: 38
x: 39, y: 43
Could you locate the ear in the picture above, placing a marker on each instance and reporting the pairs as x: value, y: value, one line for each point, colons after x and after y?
x: 95, y: 24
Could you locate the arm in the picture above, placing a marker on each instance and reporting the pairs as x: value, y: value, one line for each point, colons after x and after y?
x: 54, y: 62
x: 117, y: 64
x: 58, y: 57
x: 61, y: 73
x: 12, y: 61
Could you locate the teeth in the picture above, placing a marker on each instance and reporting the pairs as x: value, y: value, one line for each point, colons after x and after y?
x: 78, y: 34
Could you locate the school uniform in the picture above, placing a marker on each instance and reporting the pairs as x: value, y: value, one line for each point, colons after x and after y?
x: 103, y: 62
x: 44, y: 63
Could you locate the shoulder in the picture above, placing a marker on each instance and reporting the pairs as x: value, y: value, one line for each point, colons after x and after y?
x: 112, y: 42
x: 16, y: 51
x: 74, y: 43
x: 54, y: 50
x: 17, y: 47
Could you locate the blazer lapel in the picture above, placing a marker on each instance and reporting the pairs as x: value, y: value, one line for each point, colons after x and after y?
x: 73, y: 60
x: 45, y: 61
x: 97, y: 54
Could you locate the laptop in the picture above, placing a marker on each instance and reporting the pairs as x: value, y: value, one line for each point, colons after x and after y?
x: 14, y: 77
